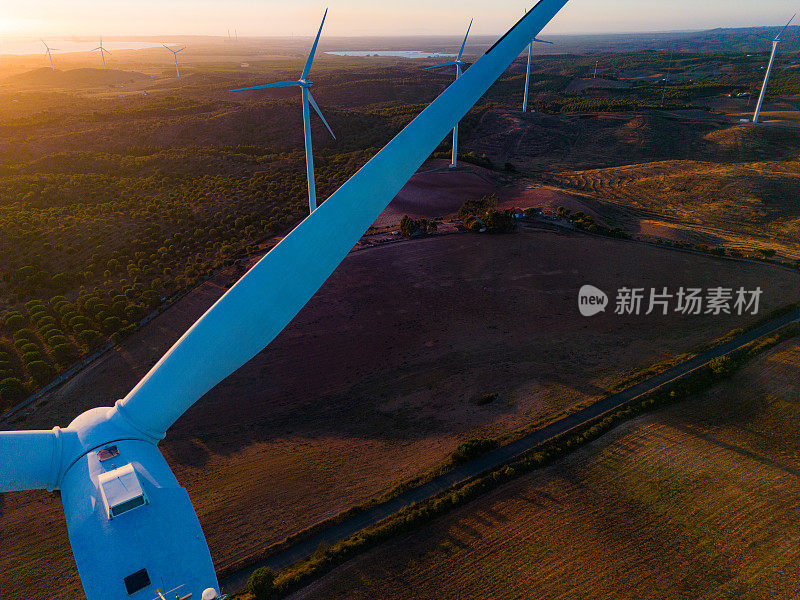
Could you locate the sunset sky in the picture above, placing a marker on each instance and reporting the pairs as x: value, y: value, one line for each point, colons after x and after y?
x: 368, y: 17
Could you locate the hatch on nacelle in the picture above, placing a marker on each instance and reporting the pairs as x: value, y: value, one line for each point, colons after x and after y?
x: 121, y: 490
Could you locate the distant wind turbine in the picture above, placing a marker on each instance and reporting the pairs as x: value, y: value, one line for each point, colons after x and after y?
x: 48, y: 52
x: 175, y: 54
x: 458, y: 64
x: 305, y: 87
x: 775, y: 43
x: 528, y: 71
x: 103, y: 52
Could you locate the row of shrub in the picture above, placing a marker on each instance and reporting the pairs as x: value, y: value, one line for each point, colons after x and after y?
x: 46, y: 337
x: 265, y: 584
x: 762, y: 253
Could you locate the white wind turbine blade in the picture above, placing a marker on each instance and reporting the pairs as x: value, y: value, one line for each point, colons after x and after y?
x: 29, y: 460
x: 257, y: 308
x: 762, y: 96
x: 464, y: 43
x: 319, y: 112
x: 778, y: 38
x: 447, y: 64
x: 267, y: 86
x: 310, y: 60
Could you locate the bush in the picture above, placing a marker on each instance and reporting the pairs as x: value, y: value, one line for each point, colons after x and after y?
x: 500, y: 221
x: 14, y: 321
x: 472, y: 449
x: 112, y: 324
x: 88, y: 336
x: 486, y: 399
x: 724, y: 366
x: 135, y: 312
x: 476, y: 208
x: 474, y: 224
x: 411, y: 228
x: 30, y: 357
x: 29, y: 347
x: 57, y: 340
x: 24, y: 334
x: 262, y: 583
x: 11, y: 391
x: 64, y: 353
x: 41, y: 371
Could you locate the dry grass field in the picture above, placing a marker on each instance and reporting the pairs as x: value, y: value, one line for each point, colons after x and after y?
x: 697, y: 501
x: 538, y: 142
x: 688, y: 176
x: 744, y: 196
x: 746, y: 206
x: 377, y: 380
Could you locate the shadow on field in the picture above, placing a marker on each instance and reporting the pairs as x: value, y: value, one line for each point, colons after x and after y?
x: 739, y: 450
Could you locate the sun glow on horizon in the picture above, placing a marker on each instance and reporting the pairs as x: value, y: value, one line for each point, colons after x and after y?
x: 40, y: 18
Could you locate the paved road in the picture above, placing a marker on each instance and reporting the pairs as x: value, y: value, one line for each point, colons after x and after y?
x: 496, y: 457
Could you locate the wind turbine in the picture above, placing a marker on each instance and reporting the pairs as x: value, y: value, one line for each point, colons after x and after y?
x: 305, y: 87
x: 131, y: 525
x: 175, y: 54
x: 775, y: 43
x: 103, y: 52
x: 528, y: 71
x: 458, y: 63
x: 48, y: 52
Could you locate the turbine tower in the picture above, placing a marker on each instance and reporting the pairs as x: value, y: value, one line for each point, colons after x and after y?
x: 305, y: 87
x: 175, y: 54
x: 458, y: 63
x: 528, y: 71
x: 103, y: 52
x: 775, y: 43
x: 49, y: 54
x: 131, y: 525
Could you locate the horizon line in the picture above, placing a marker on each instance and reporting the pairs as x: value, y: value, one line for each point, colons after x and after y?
x: 133, y: 36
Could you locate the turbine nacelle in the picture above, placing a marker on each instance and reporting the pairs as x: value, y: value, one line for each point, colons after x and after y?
x: 117, y: 492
